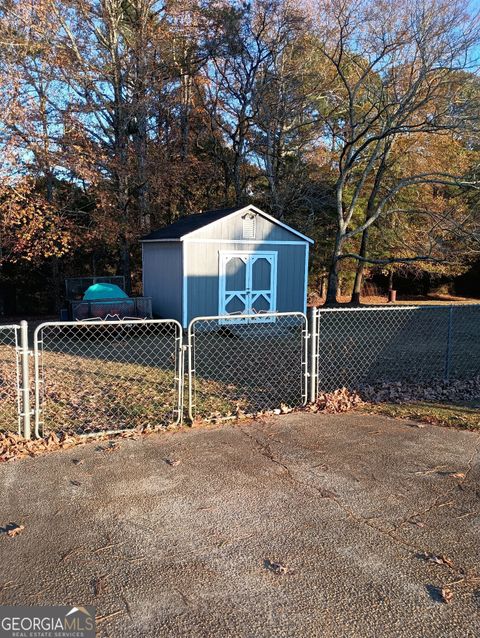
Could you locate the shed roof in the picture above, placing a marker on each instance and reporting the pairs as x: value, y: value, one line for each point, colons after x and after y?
x: 190, y: 223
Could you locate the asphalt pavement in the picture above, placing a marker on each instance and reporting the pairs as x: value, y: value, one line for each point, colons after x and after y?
x: 299, y: 525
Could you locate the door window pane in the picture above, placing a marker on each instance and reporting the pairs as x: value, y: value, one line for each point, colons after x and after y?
x: 235, y: 274
x: 261, y: 274
x: 235, y: 305
x: 261, y: 303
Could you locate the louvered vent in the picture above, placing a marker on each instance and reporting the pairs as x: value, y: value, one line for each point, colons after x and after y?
x: 249, y: 226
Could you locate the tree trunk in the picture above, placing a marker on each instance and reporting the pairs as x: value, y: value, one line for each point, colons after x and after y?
x: 390, y: 280
x: 332, y: 285
x: 237, y: 182
x: 56, y: 285
x: 141, y: 191
x: 186, y: 86
x: 357, y: 286
x: 322, y: 287
x: 426, y: 284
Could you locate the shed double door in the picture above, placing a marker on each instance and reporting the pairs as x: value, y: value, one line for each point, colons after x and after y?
x: 248, y: 284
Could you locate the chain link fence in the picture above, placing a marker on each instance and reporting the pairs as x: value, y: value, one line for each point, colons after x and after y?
x: 10, y: 401
x: 97, y: 377
x: 254, y: 366
x: 109, y: 376
x: 358, y: 346
x: 464, y: 342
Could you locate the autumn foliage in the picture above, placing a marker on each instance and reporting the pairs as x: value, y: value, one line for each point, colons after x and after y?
x: 353, y: 120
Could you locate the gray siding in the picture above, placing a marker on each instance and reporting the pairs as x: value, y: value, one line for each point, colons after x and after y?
x: 291, y: 278
x: 163, y: 278
x: 202, y: 269
x: 232, y: 228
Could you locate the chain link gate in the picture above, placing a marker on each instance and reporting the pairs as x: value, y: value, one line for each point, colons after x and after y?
x: 11, y: 402
x: 105, y: 377
x: 246, y: 365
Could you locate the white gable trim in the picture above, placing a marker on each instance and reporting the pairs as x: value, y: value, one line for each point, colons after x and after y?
x: 250, y: 207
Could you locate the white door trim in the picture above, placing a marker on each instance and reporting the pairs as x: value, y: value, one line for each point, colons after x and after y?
x: 249, y: 257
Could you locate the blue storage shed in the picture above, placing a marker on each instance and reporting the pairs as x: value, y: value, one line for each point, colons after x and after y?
x: 236, y: 260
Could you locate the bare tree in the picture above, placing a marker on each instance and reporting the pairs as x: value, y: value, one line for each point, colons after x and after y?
x: 395, y: 65
x: 107, y: 62
x: 242, y: 43
x: 284, y: 125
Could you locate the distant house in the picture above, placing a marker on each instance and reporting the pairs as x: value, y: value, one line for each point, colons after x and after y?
x: 230, y: 261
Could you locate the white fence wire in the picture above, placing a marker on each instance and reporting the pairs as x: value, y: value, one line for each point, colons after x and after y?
x: 98, y: 376
x: 10, y: 390
x: 255, y: 366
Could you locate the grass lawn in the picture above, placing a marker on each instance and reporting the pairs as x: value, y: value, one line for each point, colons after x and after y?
x: 462, y: 414
x: 94, y: 381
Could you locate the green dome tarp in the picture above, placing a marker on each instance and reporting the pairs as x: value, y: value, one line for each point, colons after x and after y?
x: 104, y: 291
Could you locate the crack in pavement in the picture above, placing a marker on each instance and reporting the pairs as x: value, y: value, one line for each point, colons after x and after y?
x: 441, y: 500
x: 265, y: 450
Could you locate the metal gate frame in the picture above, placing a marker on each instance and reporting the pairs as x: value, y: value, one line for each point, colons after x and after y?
x: 38, y: 366
x: 233, y: 319
x: 21, y: 370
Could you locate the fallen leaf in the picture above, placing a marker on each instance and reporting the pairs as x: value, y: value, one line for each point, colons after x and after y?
x: 285, y: 409
x: 112, y: 447
x: 99, y: 584
x: 340, y: 400
x: 276, y: 568
x: 13, y: 529
x: 439, y: 559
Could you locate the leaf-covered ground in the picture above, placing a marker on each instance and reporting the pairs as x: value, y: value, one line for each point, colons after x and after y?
x: 83, y: 395
x: 455, y: 404
x: 465, y: 416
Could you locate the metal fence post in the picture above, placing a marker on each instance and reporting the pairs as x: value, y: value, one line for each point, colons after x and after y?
x: 183, y: 353
x: 25, y: 354
x: 313, y: 353
x: 448, y: 351
x: 191, y: 370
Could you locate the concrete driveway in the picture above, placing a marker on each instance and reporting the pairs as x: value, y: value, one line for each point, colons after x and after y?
x: 347, y: 505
